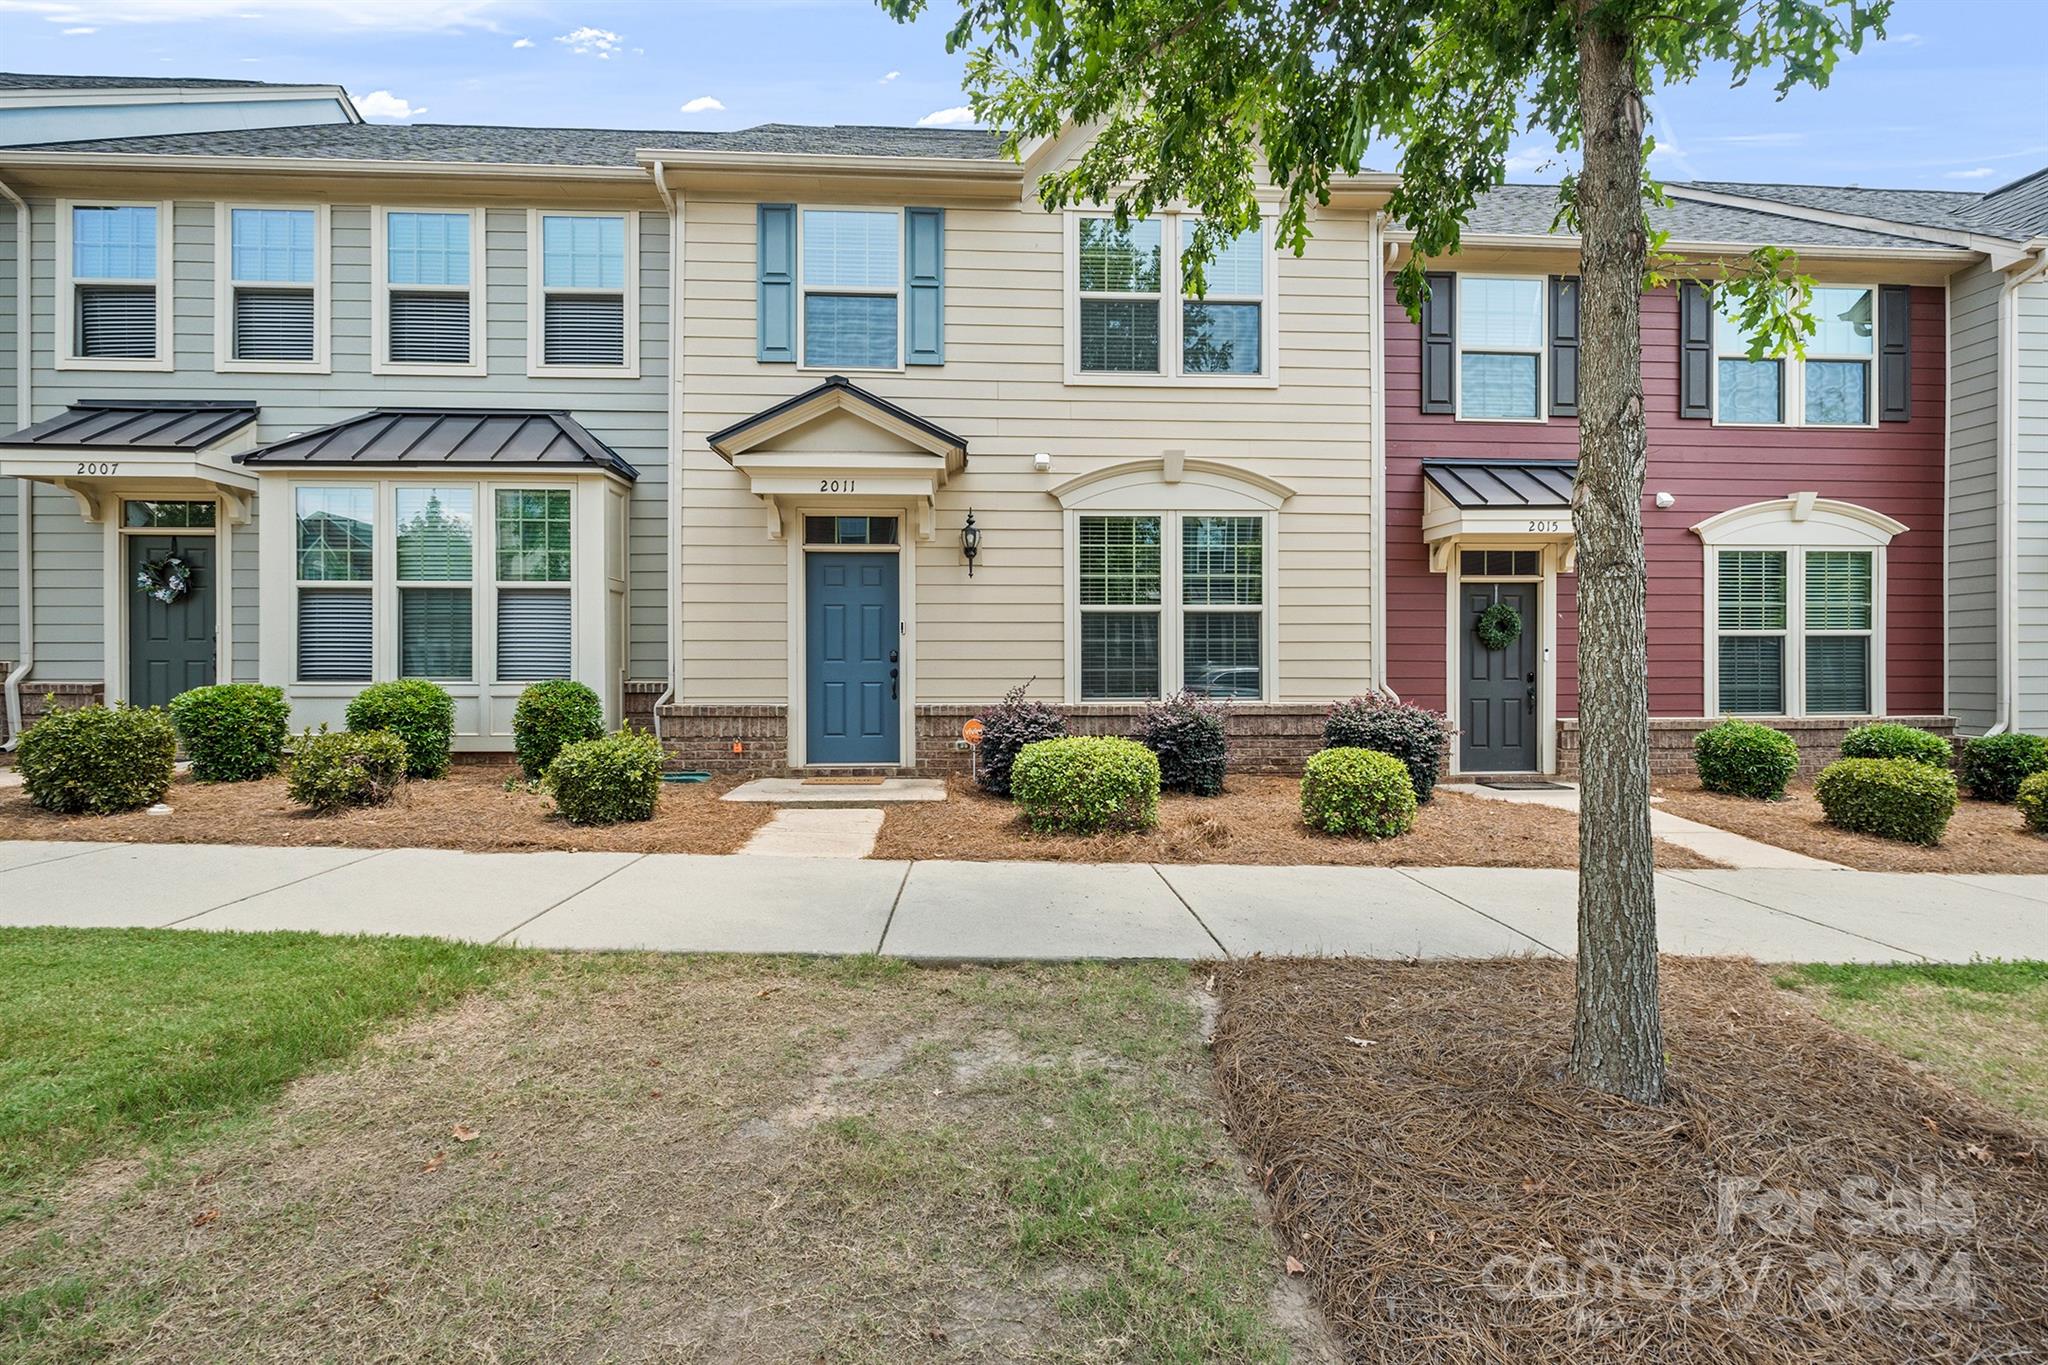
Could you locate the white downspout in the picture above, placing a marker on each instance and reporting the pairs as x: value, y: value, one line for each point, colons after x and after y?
x: 24, y: 491
x: 672, y: 551
x: 1381, y: 257
x: 2008, y: 716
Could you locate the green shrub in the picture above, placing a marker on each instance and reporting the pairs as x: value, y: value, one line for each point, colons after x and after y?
x: 1357, y: 791
x: 1994, y: 767
x: 607, y: 780
x: 418, y: 712
x: 1888, y: 739
x: 232, y: 732
x: 550, y: 715
x: 1006, y: 728
x: 1893, y: 798
x: 2033, y: 802
x: 1087, y: 783
x: 97, y: 760
x: 328, y: 771
x: 1416, y: 735
x: 1743, y: 758
x: 1186, y: 732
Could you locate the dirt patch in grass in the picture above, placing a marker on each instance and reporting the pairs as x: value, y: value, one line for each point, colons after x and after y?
x: 468, y: 809
x: 1255, y: 820
x: 1454, y: 1198
x: 1983, y: 836
x: 717, y: 1160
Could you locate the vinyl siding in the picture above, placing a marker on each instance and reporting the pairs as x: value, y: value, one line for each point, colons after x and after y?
x: 2031, y: 394
x: 1973, y: 499
x: 1002, y: 389
x: 627, y: 414
x: 10, y: 594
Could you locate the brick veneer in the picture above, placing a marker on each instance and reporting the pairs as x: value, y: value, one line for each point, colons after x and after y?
x: 1819, y: 741
x: 637, y: 703
x: 1265, y: 737
x: 38, y: 697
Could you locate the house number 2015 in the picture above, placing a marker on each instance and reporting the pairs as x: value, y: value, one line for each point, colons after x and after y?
x: 835, y: 485
x: 1545, y: 527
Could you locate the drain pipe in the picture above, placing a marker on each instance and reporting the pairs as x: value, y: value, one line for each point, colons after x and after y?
x: 24, y: 491
x: 672, y: 551
x: 1381, y: 254
x: 2008, y: 716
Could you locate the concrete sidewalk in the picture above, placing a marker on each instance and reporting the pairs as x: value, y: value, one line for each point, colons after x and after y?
x: 962, y: 911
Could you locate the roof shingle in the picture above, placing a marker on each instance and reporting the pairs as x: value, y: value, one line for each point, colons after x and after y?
x: 1529, y: 210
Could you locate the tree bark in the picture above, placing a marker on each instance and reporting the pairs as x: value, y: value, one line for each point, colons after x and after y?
x: 1617, y: 1037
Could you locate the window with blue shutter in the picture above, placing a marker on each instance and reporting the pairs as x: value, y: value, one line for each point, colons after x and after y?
x: 924, y: 233
x: 775, y: 290
x: 114, y: 281
x: 852, y: 267
x: 272, y: 285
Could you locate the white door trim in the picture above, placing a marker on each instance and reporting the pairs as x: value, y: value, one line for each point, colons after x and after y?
x: 905, y: 550
x: 114, y: 573
x: 1546, y: 664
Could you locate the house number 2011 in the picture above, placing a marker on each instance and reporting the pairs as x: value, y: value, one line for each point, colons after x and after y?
x: 835, y: 485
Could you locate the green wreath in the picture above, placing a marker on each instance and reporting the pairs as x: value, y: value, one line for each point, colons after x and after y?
x: 166, y: 579
x: 1499, y: 626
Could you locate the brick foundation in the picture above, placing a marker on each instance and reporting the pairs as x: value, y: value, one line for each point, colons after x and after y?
x: 637, y: 703
x: 1265, y: 737
x: 37, y: 697
x: 1819, y: 741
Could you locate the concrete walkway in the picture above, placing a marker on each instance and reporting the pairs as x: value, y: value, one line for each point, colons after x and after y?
x: 1732, y: 850
x: 958, y: 911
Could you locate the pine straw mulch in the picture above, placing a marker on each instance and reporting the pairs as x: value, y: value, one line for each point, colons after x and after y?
x: 1255, y: 820
x: 1454, y: 1198
x: 1983, y: 837
x: 469, y: 809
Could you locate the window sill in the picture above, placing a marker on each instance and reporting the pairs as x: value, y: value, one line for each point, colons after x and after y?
x: 1503, y: 421
x: 807, y: 368
x: 583, y: 372
x: 152, y: 365
x: 1797, y: 426
x: 1094, y: 379
x: 272, y: 367
x: 390, y: 367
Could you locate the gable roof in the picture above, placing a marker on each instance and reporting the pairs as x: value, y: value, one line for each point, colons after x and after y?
x: 1530, y: 210
x: 835, y: 394
x: 494, y: 438
x: 119, y: 424
x: 32, y: 80
x: 514, y: 146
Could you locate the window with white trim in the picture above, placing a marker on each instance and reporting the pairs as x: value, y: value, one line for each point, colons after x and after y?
x: 1120, y: 325
x: 335, y: 551
x: 1500, y: 339
x: 850, y: 268
x: 116, y: 312
x: 428, y: 299
x: 1796, y: 631
x: 435, y: 571
x: 583, y: 287
x: 534, y: 553
x: 1170, y: 601
x: 1834, y: 385
x: 273, y: 291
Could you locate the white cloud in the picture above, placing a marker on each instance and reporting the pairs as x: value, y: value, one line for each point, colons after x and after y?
x: 890, y: 77
x: 1975, y: 173
x: 1906, y: 39
x: 524, y: 42
x: 325, y: 16
x: 384, y: 104
x: 1782, y: 139
x: 959, y: 116
x: 704, y: 104
x: 1528, y: 160
x: 69, y: 32
x: 600, y: 43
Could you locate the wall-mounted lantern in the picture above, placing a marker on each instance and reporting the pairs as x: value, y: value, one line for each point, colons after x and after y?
x: 970, y: 541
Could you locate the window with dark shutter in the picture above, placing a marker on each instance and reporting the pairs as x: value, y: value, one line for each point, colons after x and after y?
x: 1564, y: 345
x: 1440, y: 344
x: 1895, y: 353
x: 1695, y: 352
x: 116, y: 322
x: 585, y: 277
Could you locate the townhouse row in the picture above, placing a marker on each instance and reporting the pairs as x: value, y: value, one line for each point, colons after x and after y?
x: 801, y: 445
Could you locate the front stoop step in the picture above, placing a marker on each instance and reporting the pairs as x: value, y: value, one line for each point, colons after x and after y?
x: 796, y: 792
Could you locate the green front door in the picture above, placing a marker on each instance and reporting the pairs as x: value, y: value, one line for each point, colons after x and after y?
x: 170, y: 644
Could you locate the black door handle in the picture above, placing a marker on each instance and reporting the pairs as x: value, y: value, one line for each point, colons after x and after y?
x: 894, y: 695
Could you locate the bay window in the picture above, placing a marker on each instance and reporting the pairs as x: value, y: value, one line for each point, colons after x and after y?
x: 113, y: 310
x: 335, y: 544
x: 1120, y: 327
x: 584, y: 282
x: 435, y: 568
x: 533, y: 551
x: 1170, y: 601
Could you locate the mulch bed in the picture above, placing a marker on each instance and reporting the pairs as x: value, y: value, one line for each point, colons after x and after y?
x: 1983, y: 836
x: 1453, y: 1197
x: 1255, y: 820
x: 469, y: 809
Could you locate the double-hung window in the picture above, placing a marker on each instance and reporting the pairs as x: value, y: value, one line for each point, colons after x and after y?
x: 851, y: 265
x: 1833, y: 385
x: 272, y: 299
x: 335, y: 553
x: 1500, y: 338
x: 1796, y: 631
x: 1123, y: 324
x: 584, y: 282
x: 1170, y: 601
x: 534, y: 550
x: 427, y: 303
x: 435, y: 570
x: 116, y: 310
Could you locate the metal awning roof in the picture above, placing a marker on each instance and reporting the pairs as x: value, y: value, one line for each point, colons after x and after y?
x: 116, y: 424
x: 1503, y: 483
x: 447, y: 438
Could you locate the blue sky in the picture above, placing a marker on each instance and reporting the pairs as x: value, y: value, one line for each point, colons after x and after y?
x: 1953, y: 100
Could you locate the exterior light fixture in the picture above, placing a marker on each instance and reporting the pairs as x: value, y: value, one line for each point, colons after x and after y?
x: 1665, y: 500
x: 1042, y: 462
x: 970, y: 541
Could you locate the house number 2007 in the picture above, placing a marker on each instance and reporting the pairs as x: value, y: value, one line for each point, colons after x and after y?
x: 835, y: 485
x: 94, y: 467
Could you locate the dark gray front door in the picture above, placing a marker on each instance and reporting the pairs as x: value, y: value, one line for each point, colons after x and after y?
x: 1499, y: 688
x: 853, y: 658
x: 170, y: 645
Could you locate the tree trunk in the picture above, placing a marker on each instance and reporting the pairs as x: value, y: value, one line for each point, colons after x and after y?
x: 1617, y: 1038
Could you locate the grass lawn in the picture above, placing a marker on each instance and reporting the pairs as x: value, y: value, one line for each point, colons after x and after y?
x: 1983, y: 1026
x: 705, y: 1159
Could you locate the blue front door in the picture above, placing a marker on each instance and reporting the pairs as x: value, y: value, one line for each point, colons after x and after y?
x: 853, y: 658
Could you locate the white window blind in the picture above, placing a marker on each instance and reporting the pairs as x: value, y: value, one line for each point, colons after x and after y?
x: 1500, y: 347
x: 429, y: 274
x: 272, y: 277
x: 852, y: 276
x: 533, y: 634
x: 583, y: 279
x: 334, y: 635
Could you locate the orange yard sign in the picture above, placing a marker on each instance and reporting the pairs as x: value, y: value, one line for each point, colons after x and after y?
x: 971, y: 732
